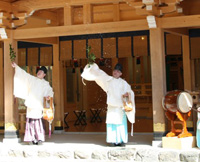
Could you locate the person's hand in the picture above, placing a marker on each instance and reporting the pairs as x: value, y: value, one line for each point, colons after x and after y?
x: 126, y: 94
x: 14, y: 64
x: 48, y: 98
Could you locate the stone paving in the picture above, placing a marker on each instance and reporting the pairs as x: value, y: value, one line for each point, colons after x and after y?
x: 71, y: 147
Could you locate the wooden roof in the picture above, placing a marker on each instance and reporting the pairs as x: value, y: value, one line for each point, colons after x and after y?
x: 74, y: 15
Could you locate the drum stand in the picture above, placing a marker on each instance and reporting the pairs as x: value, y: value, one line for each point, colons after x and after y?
x: 182, y: 120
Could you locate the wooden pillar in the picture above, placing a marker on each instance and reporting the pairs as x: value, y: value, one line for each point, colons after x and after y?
x: 10, y: 110
x: 187, y: 75
x: 58, y: 121
x: 158, y: 80
x: 186, y: 63
x: 1, y: 87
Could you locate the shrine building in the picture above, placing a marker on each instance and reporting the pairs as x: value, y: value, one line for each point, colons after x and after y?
x: 156, y: 41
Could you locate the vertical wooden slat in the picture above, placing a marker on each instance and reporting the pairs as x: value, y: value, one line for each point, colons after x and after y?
x: 114, y: 62
x: 109, y: 47
x: 68, y: 15
x: 134, y: 69
x: 142, y: 73
x: 65, y: 84
x: 124, y: 47
x: 193, y: 74
x: 87, y: 13
x: 116, y: 12
x: 61, y: 89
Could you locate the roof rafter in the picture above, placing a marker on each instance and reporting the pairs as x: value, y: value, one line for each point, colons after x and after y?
x: 165, y: 23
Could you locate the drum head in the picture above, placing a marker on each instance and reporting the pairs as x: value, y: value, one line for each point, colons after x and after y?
x: 184, y: 102
x: 163, y: 103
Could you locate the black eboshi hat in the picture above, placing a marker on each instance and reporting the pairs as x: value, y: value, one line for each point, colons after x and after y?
x: 118, y: 67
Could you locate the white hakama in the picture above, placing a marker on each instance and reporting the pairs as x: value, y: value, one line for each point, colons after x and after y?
x: 116, y: 118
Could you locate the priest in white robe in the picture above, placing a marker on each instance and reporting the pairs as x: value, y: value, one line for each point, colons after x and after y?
x: 33, y: 90
x: 115, y: 87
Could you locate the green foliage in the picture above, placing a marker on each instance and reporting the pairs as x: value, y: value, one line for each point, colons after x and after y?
x: 12, y: 53
x: 91, y: 56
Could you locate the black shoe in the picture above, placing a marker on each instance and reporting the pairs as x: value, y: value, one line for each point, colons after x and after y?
x: 35, y: 143
x: 120, y: 144
x: 117, y: 144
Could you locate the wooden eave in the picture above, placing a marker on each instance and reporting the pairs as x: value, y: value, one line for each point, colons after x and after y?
x: 52, y: 10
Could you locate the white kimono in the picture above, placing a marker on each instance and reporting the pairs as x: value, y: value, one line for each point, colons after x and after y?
x: 33, y: 90
x: 114, y: 88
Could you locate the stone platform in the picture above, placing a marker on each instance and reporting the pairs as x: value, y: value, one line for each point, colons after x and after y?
x: 93, y: 148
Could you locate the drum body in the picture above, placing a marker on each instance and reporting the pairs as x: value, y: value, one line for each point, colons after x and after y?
x: 177, y: 101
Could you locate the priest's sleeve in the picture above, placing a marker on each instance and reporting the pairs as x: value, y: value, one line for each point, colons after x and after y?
x: 93, y: 73
x: 21, y: 83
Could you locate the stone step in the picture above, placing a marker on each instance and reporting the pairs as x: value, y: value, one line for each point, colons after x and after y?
x: 84, y: 152
x: 92, y: 148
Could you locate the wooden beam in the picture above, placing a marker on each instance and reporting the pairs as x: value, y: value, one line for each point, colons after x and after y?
x: 179, y: 21
x: 167, y: 9
x: 16, y: 23
x: 5, y: 6
x: 46, y: 4
x: 20, y: 15
x: 51, y: 40
x: 134, y: 4
x: 143, y: 12
x: 173, y: 1
x: 5, y: 22
x: 4, y: 15
x: 80, y: 2
x: 47, y: 15
x: 78, y: 29
x: 178, y: 31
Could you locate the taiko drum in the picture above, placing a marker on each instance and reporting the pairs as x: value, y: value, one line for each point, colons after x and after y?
x: 177, y: 101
